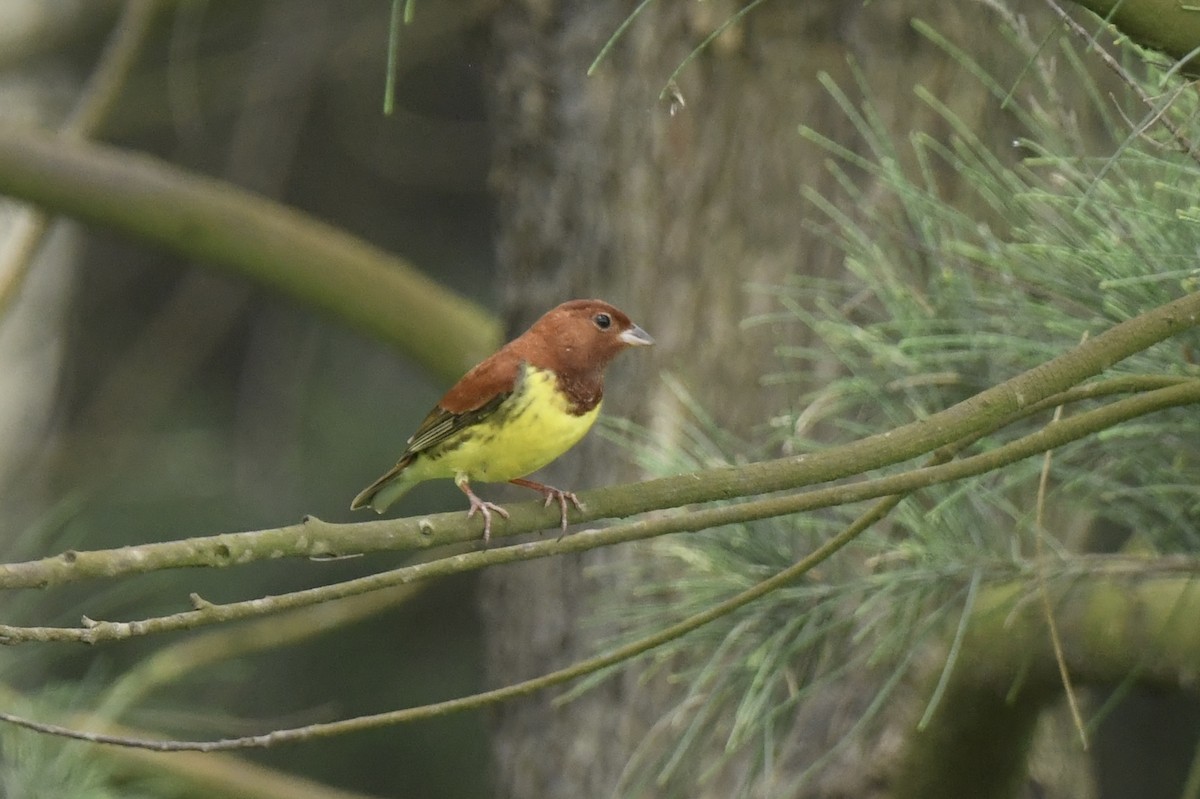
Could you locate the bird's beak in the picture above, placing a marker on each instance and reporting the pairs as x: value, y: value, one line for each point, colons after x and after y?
x: 636, y: 337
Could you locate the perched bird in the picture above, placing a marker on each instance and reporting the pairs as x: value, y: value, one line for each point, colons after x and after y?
x: 516, y: 411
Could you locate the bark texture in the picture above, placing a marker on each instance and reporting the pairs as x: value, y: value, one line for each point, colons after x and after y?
x: 602, y: 190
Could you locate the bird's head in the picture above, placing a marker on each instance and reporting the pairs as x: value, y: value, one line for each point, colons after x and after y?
x: 585, y: 335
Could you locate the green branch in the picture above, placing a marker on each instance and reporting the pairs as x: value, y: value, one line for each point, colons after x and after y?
x: 1053, y: 436
x: 103, y: 86
x: 1168, y: 26
x: 1002, y: 623
x: 250, y: 237
x: 313, y: 538
x: 1112, y: 627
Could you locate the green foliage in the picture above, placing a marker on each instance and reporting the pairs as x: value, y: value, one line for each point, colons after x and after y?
x: 966, y: 263
x: 33, y: 765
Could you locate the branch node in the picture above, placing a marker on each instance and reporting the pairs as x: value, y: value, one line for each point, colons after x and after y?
x: 199, y: 602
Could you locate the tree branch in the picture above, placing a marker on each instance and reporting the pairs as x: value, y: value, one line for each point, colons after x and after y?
x: 314, y: 538
x: 93, y: 105
x: 1111, y: 627
x: 1050, y: 437
x: 251, y: 237
x: 1168, y: 26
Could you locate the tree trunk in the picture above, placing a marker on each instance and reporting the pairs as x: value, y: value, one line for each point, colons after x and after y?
x: 602, y: 190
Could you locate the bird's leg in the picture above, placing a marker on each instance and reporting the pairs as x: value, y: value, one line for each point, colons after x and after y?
x: 477, y: 504
x: 552, y: 494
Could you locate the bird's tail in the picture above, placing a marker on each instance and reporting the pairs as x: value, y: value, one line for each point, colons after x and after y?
x: 387, y: 490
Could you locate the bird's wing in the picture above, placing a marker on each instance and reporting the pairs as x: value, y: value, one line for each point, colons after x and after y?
x: 440, y: 424
x: 474, y: 398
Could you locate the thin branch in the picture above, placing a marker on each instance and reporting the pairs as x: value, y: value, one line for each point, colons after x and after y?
x: 1169, y: 27
x: 1046, y: 438
x: 171, y: 663
x: 194, y: 773
x: 250, y: 237
x: 1157, y: 114
x: 314, y: 538
x: 579, y: 669
x: 205, y: 613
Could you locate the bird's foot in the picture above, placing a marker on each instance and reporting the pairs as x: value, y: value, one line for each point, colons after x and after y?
x: 552, y: 494
x: 485, y: 509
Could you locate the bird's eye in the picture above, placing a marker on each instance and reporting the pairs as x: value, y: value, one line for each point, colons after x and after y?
x: 603, y: 321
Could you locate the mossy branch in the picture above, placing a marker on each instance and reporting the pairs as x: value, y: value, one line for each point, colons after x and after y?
x: 1050, y: 437
x: 1167, y: 26
x: 1111, y: 625
x: 250, y: 237
x: 314, y: 538
x: 990, y: 628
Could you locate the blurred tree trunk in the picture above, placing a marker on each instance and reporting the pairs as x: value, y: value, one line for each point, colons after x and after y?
x: 671, y: 212
x: 602, y: 190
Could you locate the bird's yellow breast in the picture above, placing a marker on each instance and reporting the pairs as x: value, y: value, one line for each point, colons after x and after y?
x: 527, y: 431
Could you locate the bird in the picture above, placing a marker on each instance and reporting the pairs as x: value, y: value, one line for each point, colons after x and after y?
x: 516, y: 411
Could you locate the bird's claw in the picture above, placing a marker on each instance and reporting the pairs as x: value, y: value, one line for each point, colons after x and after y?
x: 485, y: 509
x: 563, y: 498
